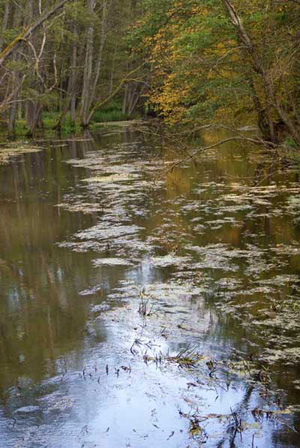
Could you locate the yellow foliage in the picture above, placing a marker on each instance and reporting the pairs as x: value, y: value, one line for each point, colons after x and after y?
x: 186, y: 71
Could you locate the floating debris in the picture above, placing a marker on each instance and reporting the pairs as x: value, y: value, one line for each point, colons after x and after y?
x: 111, y: 262
x: 10, y: 152
x: 112, y: 178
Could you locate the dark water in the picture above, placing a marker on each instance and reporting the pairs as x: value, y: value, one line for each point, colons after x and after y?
x: 144, y: 304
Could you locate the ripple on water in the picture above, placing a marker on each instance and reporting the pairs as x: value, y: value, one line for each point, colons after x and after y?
x: 192, y: 307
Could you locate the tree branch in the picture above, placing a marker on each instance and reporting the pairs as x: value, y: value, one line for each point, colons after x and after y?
x: 193, y: 155
x: 114, y: 93
x: 11, y: 48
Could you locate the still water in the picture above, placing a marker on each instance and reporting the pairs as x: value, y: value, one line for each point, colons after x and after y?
x: 144, y: 304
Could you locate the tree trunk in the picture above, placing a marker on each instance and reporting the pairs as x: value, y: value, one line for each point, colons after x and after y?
x: 15, y: 81
x: 73, y: 81
x: 4, y: 23
x: 29, y: 30
x: 261, y: 113
x: 34, y: 117
x: 92, y: 74
x: 258, y: 67
x: 88, y: 69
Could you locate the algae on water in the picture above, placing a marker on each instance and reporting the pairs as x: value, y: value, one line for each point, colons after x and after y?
x: 10, y: 152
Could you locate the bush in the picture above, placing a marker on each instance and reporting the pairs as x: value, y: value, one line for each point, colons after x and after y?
x: 110, y: 112
x: 289, y: 141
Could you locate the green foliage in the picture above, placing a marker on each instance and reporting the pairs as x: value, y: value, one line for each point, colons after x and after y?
x: 111, y: 112
x: 70, y: 127
x: 11, y: 33
x: 290, y: 142
x: 51, y: 118
x: 77, y: 58
x: 196, y: 65
x: 16, y: 65
x: 202, y: 69
x: 20, y: 128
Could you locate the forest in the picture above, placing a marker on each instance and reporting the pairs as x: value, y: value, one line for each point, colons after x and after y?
x: 150, y: 223
x: 192, y: 63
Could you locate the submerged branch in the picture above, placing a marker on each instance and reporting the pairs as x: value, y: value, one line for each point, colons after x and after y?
x: 194, y: 154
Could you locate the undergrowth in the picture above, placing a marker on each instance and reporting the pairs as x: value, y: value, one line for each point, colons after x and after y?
x: 110, y: 112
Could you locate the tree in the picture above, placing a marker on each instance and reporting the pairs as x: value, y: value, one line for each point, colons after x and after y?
x: 61, y: 63
x: 224, y: 61
x: 28, y: 31
x: 263, y: 68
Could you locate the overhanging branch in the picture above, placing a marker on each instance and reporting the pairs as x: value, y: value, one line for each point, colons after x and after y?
x: 26, y: 33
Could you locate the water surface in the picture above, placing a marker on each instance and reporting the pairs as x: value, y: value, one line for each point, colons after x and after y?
x: 144, y: 304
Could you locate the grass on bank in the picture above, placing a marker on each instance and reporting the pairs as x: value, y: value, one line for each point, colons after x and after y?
x: 112, y: 112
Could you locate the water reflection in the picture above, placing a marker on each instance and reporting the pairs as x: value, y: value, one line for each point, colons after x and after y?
x: 213, y: 250
x: 40, y: 314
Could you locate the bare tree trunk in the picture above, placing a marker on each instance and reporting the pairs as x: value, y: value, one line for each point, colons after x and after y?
x: 261, y: 113
x: 101, y: 48
x: 20, y: 110
x: 15, y: 80
x: 70, y: 101
x: 124, y: 107
x: 28, y: 12
x: 90, y: 89
x: 73, y: 81
x: 112, y: 71
x: 133, y: 92
x: 255, y: 61
x: 12, y: 118
x: 29, y: 30
x: 34, y: 117
x: 35, y: 108
x: 4, y: 23
x: 88, y: 69
x: 259, y: 69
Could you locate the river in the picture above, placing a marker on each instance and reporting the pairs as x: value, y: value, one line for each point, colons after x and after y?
x: 146, y: 302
